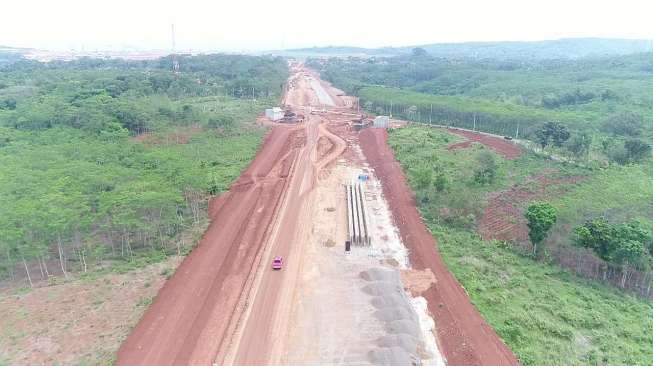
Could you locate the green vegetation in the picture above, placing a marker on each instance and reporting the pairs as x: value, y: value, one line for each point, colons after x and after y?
x: 604, y: 104
x: 594, y: 113
x: 626, y: 243
x: 465, y: 177
x: 113, y: 161
x: 552, y: 133
x: 588, y: 163
x: 541, y: 216
x: 546, y: 314
x: 543, y: 313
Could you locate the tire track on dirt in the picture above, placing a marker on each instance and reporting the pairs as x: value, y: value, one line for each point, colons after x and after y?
x: 187, y: 320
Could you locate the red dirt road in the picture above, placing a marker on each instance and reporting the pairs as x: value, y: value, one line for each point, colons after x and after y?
x: 506, y: 148
x: 187, y: 322
x: 465, y: 337
x: 259, y: 338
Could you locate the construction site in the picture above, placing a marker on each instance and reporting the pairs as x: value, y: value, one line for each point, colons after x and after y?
x: 362, y: 281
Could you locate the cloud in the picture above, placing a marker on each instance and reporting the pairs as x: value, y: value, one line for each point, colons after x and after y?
x: 247, y: 24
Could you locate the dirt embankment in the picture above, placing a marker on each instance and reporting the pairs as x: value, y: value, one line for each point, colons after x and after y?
x: 502, y: 146
x: 187, y: 321
x: 466, y: 338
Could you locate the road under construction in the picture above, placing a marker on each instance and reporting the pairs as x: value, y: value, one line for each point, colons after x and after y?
x: 313, y: 187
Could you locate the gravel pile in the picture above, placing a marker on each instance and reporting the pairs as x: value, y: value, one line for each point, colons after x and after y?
x: 403, y: 342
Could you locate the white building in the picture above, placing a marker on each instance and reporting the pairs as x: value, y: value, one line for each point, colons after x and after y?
x: 274, y: 114
x: 382, y: 122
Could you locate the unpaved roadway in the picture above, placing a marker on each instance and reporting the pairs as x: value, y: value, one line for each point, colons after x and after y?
x: 225, y: 306
x: 187, y: 320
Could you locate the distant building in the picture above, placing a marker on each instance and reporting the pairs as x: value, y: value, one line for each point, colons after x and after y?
x: 274, y: 114
x: 382, y: 122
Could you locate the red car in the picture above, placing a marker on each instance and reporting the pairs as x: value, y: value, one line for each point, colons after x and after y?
x: 277, y: 263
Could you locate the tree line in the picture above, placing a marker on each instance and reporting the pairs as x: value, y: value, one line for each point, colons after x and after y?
x: 78, y: 190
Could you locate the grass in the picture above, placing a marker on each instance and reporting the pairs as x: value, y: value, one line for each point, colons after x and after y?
x: 463, y: 198
x: 624, y: 191
x: 120, y: 299
x: 546, y: 315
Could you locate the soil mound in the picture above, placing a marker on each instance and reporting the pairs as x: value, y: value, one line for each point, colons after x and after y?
x: 380, y: 274
x: 392, y: 356
x: 404, y: 341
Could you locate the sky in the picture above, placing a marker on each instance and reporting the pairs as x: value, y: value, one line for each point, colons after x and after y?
x: 246, y: 25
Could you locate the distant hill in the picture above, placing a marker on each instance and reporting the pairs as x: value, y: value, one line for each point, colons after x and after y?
x: 342, y: 51
x: 10, y: 55
x: 561, y: 48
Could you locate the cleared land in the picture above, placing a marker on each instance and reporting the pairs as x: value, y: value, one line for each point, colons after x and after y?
x: 63, y: 323
x: 372, y: 306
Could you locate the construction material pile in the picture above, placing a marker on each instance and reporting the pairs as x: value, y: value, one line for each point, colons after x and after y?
x: 403, y: 344
x: 356, y: 216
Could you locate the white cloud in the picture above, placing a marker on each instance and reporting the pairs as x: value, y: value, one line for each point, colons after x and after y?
x: 271, y: 24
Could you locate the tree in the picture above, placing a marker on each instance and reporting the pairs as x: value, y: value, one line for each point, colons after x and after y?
x: 486, y: 168
x: 8, y: 103
x: 637, y: 150
x: 596, y: 234
x: 579, y: 145
x: 419, y: 52
x: 621, y: 244
x: 552, y: 133
x: 624, y: 124
x: 541, y: 216
x: 632, y: 151
x: 412, y: 111
x: 560, y: 135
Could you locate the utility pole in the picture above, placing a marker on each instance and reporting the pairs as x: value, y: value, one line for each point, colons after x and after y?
x: 175, y: 61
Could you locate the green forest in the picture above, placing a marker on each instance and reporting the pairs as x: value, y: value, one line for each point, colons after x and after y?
x: 508, y: 97
x: 545, y: 313
x: 108, y: 163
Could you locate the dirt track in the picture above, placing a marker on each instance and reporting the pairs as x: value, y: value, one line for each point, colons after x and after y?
x: 465, y: 336
x: 188, y: 319
x: 506, y: 148
x: 225, y: 306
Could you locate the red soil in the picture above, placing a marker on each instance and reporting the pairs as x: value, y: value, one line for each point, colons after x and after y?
x: 460, y: 145
x: 503, y: 218
x: 464, y: 335
x: 504, y: 147
x: 186, y: 323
